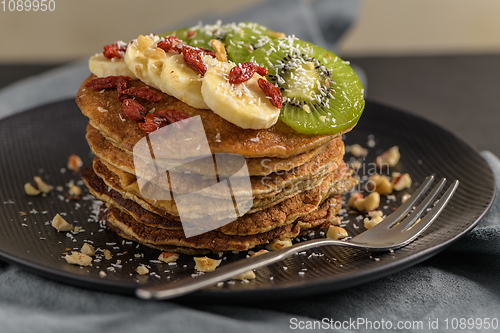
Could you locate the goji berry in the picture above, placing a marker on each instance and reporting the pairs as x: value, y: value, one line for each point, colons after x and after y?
x: 144, y: 93
x: 169, y: 43
x: 272, y: 92
x: 107, y: 82
x: 152, y: 123
x: 133, y: 110
x: 177, y: 118
x: 192, y: 57
x: 115, y: 50
x: 121, y: 85
x: 244, y: 72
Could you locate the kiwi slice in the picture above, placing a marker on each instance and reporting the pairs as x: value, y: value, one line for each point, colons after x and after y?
x: 244, y: 38
x: 321, y: 92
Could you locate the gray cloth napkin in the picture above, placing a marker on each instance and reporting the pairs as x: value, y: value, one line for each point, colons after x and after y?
x: 460, y: 282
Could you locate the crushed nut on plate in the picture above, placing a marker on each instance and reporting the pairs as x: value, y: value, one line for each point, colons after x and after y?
x: 167, y: 257
x: 42, y: 186
x: 74, y: 163
x: 77, y: 258
x: 335, y: 232
x: 279, y: 244
x: 31, y: 190
x: 205, y: 264
x: 61, y: 224
x: 142, y: 270
x: 88, y: 249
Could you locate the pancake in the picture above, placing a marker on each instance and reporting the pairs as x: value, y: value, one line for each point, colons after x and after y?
x: 104, y: 112
x: 211, y: 208
x: 303, y: 207
x: 212, y: 241
x: 312, y: 172
x: 264, y: 166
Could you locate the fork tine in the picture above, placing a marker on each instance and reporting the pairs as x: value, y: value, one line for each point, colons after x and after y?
x: 427, y: 220
x: 413, y: 216
x: 404, y: 208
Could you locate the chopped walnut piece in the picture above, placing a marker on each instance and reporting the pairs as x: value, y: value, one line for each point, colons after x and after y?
x: 77, y: 258
x: 88, y: 249
x: 61, y: 224
x: 389, y: 158
x: 400, y: 181
x: 371, y: 202
x: 206, y: 264
x: 31, y: 190
x: 376, y: 213
x: 74, y: 162
x: 355, y: 196
x: 380, y: 184
x: 102, y: 274
x: 107, y: 254
x: 370, y: 223
x: 142, y: 270
x: 279, y: 244
x: 74, y: 190
x: 357, y: 150
x: 220, y: 51
x: 167, y: 257
x: 42, y: 186
x: 335, y: 232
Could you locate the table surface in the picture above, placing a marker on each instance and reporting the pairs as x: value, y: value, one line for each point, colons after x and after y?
x: 457, y: 92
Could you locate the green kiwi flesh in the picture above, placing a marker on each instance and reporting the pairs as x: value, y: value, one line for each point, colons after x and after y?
x: 321, y: 92
x: 244, y: 38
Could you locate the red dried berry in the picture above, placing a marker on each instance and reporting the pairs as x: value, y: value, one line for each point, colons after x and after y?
x: 244, y: 72
x: 107, y: 82
x: 272, y: 92
x: 144, y: 93
x: 152, y: 123
x: 121, y: 85
x: 133, y: 110
x: 261, y: 71
x: 178, y: 119
x: 192, y: 57
x: 207, y: 52
x: 169, y: 43
x: 115, y: 50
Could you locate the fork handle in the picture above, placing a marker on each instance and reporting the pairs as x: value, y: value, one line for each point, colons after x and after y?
x: 186, y: 285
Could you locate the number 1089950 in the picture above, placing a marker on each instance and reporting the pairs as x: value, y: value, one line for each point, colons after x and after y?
x: 28, y: 5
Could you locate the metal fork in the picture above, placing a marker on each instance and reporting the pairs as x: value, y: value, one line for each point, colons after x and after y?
x: 392, y: 233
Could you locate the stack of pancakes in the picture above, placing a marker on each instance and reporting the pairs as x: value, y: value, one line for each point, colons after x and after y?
x: 296, y: 179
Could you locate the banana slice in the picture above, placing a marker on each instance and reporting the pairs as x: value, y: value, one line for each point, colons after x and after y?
x: 182, y: 82
x: 101, y: 66
x: 145, y: 60
x: 243, y: 104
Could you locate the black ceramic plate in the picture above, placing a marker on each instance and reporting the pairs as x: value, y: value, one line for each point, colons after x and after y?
x: 39, y: 141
